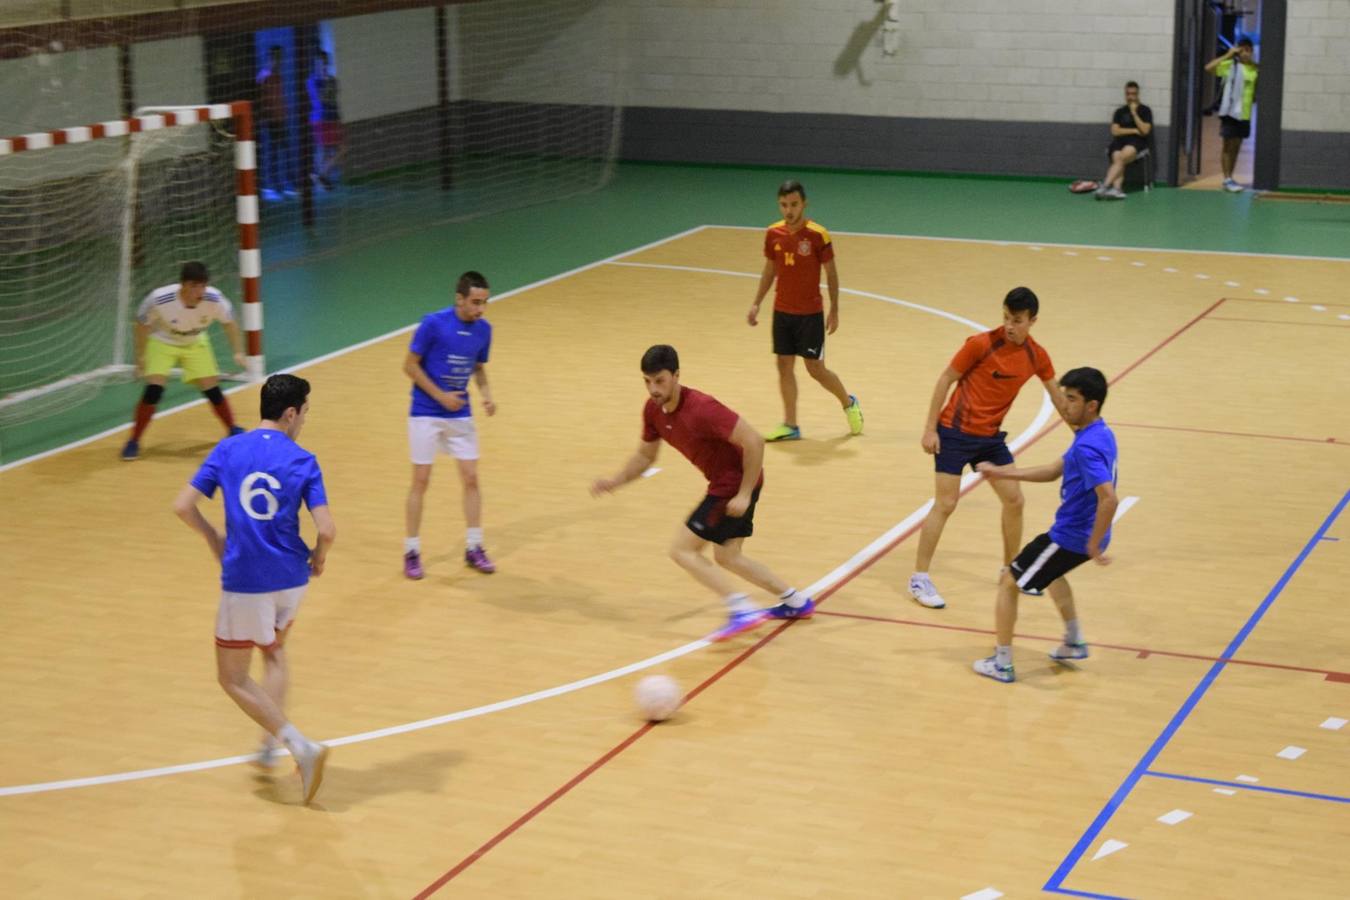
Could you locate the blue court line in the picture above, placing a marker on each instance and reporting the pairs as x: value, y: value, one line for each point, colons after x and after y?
x: 1146, y: 762
x: 1249, y: 787
x: 1060, y: 890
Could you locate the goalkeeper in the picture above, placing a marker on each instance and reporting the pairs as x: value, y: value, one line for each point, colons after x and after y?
x: 171, y: 332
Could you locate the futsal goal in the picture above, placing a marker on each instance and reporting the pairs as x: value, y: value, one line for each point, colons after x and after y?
x: 94, y: 216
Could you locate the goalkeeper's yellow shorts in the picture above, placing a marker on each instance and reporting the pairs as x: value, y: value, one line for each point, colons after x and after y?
x: 196, y: 359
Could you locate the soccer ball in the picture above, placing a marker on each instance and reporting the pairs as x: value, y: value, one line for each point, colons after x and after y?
x: 658, y: 696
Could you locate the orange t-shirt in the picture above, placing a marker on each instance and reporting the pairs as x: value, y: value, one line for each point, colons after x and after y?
x: 797, y: 259
x: 993, y: 370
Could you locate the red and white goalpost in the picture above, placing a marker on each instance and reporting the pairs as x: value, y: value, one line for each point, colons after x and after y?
x: 94, y: 215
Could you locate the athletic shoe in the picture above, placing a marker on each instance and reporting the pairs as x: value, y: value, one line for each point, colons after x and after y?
x: 784, y: 433
x: 1067, y: 651
x: 131, y: 451
x: 854, y: 413
x: 784, y: 611
x: 739, y: 622
x: 236, y: 429
x: 1100, y: 193
x: 989, y: 668
x: 1232, y: 186
x: 1113, y: 193
x: 477, y: 558
x: 412, y: 565
x: 310, y: 762
x: 267, y: 755
x: 921, y: 589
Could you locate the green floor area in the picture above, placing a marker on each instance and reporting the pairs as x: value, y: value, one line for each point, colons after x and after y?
x: 316, y: 307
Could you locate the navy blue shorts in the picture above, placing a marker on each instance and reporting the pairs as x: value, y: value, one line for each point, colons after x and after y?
x: 958, y: 450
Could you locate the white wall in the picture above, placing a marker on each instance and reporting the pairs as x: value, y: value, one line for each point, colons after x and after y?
x: 1010, y: 60
x: 56, y: 90
x: 386, y: 62
x: 169, y: 73
x: 1317, y: 66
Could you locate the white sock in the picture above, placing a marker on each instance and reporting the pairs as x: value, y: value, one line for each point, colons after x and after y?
x: 792, y: 598
x: 412, y: 545
x: 739, y: 603
x: 922, y: 575
x: 293, y: 739
x: 473, y: 538
x: 1072, y: 633
x: 1003, y: 656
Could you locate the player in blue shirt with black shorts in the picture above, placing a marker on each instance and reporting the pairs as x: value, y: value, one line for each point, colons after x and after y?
x: 1082, y: 528
x: 265, y: 566
x: 449, y: 347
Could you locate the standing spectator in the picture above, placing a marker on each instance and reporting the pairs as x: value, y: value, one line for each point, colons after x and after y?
x: 1130, y: 128
x: 277, y: 166
x: 325, y: 119
x: 1235, y: 106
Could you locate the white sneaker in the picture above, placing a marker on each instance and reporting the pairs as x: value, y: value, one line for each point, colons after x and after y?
x: 1232, y: 186
x: 268, y: 754
x: 1068, y: 651
x: 921, y: 589
x: 989, y: 668
x: 310, y: 762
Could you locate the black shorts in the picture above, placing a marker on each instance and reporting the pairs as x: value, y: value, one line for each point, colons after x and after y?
x: 956, y: 450
x: 711, y: 522
x: 1041, y: 562
x: 799, y: 335
x: 1230, y: 127
x: 1121, y: 143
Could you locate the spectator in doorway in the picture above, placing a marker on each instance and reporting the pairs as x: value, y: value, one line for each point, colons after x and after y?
x: 1235, y: 104
x: 1130, y: 127
x: 272, y: 116
x: 325, y: 119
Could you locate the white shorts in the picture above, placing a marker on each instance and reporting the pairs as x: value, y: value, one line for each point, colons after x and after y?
x: 427, y: 434
x: 253, y: 620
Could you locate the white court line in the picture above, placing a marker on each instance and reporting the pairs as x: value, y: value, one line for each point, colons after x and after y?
x: 651, y: 471
x: 352, y: 348
x: 840, y: 573
x: 988, y: 893
x: 1291, y: 752
x: 1125, y: 506
x: 1111, y: 846
x: 1175, y: 816
x: 1005, y: 243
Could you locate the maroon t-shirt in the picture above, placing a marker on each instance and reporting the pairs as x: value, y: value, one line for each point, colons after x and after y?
x: 700, y: 428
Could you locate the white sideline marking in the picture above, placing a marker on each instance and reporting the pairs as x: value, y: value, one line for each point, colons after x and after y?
x: 1291, y: 752
x: 1290, y: 299
x: 1261, y: 291
x: 1111, y: 846
x: 1125, y: 506
x: 1226, y: 791
x: 1233, y: 284
x: 984, y: 894
x: 1344, y: 316
x: 1169, y: 269
x: 1104, y: 258
x: 1317, y: 307
x: 1333, y: 724
x: 1202, y: 276
x: 1175, y: 816
x: 1138, y: 265
x: 651, y: 471
x: 1247, y: 779
x: 838, y: 574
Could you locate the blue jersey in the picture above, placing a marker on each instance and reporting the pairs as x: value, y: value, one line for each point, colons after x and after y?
x: 263, y: 476
x: 450, y: 349
x: 1090, y: 461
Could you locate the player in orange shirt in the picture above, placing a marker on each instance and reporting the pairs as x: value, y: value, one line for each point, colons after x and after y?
x: 795, y: 250
x: 988, y: 371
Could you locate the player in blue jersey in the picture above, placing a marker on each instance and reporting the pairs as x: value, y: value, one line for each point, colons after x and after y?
x: 1082, y: 528
x: 449, y: 347
x: 265, y: 566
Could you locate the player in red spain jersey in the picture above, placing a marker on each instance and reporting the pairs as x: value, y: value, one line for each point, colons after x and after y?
x: 795, y: 251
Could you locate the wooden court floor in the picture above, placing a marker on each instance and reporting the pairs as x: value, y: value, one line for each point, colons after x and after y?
x: 853, y: 755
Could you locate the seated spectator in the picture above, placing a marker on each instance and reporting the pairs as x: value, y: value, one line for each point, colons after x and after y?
x: 1130, y: 128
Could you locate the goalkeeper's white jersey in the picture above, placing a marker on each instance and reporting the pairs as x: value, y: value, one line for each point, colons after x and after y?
x: 173, y: 323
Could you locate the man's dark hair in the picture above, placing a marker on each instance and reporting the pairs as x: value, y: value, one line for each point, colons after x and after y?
x: 660, y: 358
x: 1245, y: 42
x: 280, y: 393
x: 194, y: 272
x: 468, y: 281
x: 1022, y: 299
x: 1131, y: 84
x: 791, y: 186
x: 1089, y: 382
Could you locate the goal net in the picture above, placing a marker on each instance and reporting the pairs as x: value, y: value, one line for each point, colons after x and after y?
x: 93, y: 217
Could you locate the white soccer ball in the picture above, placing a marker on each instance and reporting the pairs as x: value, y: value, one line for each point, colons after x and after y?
x: 658, y: 697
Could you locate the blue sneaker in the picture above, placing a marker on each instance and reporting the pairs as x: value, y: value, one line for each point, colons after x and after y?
x: 235, y: 429
x: 738, y: 623
x: 131, y: 451
x: 990, y: 668
x: 783, y: 611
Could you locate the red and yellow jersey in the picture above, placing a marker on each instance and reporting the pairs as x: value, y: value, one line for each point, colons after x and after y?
x: 797, y: 259
x: 993, y: 370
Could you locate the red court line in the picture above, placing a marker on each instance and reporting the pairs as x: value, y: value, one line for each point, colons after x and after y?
x: 820, y: 599
x: 1141, y: 652
x: 1278, y: 322
x: 1250, y: 434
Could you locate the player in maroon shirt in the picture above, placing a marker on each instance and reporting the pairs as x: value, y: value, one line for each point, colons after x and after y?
x: 730, y: 454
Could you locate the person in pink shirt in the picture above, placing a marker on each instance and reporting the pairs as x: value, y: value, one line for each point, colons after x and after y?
x: 730, y: 454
